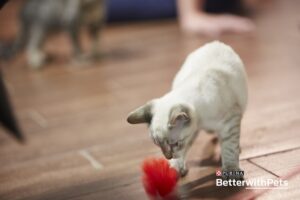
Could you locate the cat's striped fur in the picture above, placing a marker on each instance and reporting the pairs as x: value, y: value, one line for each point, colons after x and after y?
x: 40, y: 18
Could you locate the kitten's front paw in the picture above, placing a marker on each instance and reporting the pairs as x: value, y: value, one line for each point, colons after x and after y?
x: 183, y: 172
x: 180, y: 167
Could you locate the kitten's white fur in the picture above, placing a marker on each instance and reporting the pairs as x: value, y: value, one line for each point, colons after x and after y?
x: 212, y: 86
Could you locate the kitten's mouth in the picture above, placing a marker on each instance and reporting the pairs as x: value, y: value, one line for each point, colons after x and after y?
x: 168, y: 155
x: 170, y: 151
x: 167, y: 151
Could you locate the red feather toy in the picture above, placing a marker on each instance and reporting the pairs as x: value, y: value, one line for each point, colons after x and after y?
x: 159, y: 179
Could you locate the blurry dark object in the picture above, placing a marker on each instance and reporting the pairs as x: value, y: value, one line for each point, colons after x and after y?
x: 135, y: 10
x: 2, y: 2
x: 6, y: 114
x: 224, y: 6
x: 39, y: 18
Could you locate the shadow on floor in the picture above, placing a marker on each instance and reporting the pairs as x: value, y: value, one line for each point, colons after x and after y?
x: 195, y: 190
x: 205, y: 187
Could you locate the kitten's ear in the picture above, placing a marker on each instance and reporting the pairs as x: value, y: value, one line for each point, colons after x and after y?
x: 179, y: 115
x: 142, y: 114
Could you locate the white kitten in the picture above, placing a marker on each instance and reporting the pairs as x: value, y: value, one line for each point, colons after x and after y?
x: 209, y: 93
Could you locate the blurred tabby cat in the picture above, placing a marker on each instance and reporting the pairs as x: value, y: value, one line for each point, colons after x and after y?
x: 40, y: 17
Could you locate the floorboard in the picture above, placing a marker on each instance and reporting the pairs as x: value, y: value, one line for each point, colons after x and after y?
x: 66, y: 109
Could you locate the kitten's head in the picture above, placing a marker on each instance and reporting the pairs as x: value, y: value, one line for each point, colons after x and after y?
x: 171, y: 125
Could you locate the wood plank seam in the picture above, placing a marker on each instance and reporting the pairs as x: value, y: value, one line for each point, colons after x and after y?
x: 267, y: 154
x: 261, y: 167
x: 38, y: 118
x: 95, y: 164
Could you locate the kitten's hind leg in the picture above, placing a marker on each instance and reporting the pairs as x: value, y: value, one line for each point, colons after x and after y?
x: 36, y: 57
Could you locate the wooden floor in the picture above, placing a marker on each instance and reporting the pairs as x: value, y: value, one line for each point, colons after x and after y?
x: 79, y: 145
